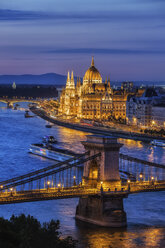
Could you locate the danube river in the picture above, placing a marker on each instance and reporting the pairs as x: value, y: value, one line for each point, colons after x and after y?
x: 145, y: 212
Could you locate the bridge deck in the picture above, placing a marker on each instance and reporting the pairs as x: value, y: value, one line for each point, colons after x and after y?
x: 78, y: 191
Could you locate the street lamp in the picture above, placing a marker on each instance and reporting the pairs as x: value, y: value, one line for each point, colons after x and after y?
x: 48, y: 183
x: 153, y: 123
x: 11, y: 190
x: 152, y: 180
x: 101, y: 187
x: 74, y: 182
x: 141, y: 176
x: 128, y: 181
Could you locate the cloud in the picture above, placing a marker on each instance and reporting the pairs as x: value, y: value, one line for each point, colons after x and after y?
x: 34, y: 50
x: 106, y: 51
x: 115, y: 15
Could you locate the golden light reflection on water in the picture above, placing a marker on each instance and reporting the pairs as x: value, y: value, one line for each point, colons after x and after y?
x: 134, y: 238
x: 153, y: 237
x: 72, y: 138
x: 131, y: 143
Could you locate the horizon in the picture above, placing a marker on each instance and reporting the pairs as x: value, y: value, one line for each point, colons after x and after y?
x: 126, y: 39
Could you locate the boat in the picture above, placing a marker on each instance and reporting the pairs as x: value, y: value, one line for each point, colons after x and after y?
x: 49, y: 139
x: 157, y: 143
x: 27, y: 114
x: 51, y: 152
x: 48, y: 125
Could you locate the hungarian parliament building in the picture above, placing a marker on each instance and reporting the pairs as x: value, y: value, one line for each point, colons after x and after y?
x: 92, y: 98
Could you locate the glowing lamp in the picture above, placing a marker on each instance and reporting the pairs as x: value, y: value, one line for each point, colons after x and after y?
x: 141, y: 175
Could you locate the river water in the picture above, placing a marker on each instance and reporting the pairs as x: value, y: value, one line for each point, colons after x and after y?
x: 145, y: 212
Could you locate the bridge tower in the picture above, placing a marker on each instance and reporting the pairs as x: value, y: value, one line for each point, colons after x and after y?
x: 103, y: 209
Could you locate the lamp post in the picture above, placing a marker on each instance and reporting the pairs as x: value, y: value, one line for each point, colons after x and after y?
x: 128, y: 181
x: 48, y: 184
x: 141, y: 177
x: 11, y: 191
x: 59, y: 185
x: 101, y: 189
x: 74, y: 182
x: 152, y: 180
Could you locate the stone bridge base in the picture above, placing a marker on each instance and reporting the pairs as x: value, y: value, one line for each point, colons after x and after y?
x: 102, y: 210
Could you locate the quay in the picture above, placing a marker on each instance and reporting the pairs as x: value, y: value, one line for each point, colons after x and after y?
x: 95, y: 130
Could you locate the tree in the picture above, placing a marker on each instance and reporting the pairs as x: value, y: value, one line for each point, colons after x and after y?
x: 27, y: 232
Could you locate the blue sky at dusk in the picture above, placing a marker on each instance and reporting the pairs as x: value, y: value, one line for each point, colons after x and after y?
x: 126, y: 37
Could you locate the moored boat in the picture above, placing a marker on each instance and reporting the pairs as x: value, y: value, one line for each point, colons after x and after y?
x: 48, y: 125
x: 49, y: 139
x: 51, y: 152
x: 157, y: 143
x: 27, y: 114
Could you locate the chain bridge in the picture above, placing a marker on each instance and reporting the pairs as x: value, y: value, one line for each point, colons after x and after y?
x: 101, y: 177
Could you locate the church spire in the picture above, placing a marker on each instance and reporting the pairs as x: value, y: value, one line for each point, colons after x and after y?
x: 72, y: 78
x: 68, y: 78
x: 92, y: 63
x: 109, y: 81
x: 77, y: 85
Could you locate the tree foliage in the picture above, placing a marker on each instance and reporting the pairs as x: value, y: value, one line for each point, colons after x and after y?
x: 27, y: 232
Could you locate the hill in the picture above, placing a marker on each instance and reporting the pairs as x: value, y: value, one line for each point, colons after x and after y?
x: 45, y: 79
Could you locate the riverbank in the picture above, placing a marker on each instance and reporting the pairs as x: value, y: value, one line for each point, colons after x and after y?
x: 95, y: 130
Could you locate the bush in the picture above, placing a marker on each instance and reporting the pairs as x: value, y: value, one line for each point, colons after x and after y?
x: 27, y: 232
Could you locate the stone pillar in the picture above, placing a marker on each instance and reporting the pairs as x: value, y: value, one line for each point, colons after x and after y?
x: 107, y: 165
x: 102, y: 210
x: 106, y: 207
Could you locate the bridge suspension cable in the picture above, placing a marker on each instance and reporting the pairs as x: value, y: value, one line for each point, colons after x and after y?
x: 132, y: 159
x: 45, y: 175
x: 14, y: 179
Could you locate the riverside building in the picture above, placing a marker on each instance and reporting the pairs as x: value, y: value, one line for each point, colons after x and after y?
x: 148, y: 110
x: 92, y: 98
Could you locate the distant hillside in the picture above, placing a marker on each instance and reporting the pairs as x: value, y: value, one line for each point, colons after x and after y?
x: 48, y: 78
x: 58, y: 80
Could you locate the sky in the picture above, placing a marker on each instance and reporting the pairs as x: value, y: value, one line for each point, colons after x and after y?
x: 126, y: 37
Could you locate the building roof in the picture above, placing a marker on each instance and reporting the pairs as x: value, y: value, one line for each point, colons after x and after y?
x: 92, y: 73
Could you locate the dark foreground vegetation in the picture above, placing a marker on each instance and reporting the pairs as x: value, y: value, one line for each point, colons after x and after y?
x: 27, y: 232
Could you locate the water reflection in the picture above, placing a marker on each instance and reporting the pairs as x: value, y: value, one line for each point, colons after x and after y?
x: 136, y: 236
x: 71, y: 139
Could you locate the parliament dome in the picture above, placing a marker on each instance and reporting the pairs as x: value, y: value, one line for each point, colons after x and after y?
x: 92, y: 74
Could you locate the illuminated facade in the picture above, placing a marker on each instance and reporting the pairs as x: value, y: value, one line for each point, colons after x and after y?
x: 148, y: 110
x: 91, y: 99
